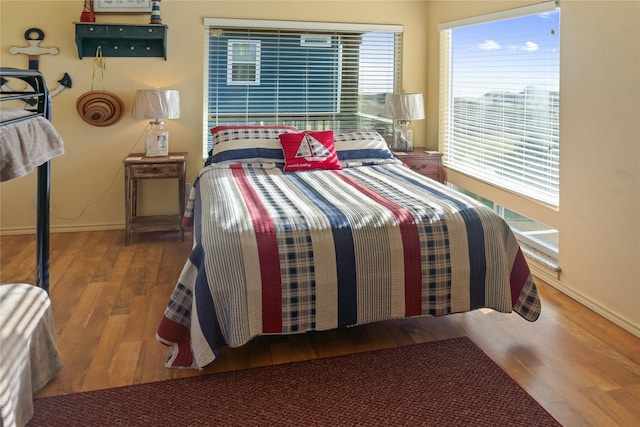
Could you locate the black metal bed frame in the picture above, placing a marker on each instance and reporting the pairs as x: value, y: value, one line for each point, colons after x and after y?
x: 40, y: 101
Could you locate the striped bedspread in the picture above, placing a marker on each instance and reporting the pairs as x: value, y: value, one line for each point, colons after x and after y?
x: 281, y: 253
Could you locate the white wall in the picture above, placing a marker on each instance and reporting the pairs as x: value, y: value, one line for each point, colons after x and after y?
x: 599, y: 211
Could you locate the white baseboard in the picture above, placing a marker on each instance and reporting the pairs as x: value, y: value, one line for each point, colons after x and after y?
x: 551, y: 278
x: 62, y: 229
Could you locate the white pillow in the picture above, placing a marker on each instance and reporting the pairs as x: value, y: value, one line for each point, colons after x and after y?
x: 248, y: 144
x: 362, y: 147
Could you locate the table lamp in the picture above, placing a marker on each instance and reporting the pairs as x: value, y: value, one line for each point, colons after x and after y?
x: 157, y: 104
x: 404, y: 107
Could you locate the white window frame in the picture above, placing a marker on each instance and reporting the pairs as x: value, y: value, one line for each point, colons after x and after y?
x: 231, y: 62
x: 464, y: 147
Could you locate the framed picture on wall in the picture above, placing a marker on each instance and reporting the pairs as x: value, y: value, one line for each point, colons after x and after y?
x: 122, y: 6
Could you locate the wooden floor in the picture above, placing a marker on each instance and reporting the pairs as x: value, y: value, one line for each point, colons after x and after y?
x: 108, y: 299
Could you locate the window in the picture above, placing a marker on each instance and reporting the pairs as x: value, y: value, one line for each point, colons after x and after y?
x: 305, y: 74
x: 539, y: 241
x: 243, y: 62
x: 500, y: 99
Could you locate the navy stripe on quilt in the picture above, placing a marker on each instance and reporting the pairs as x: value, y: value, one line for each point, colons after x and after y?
x: 207, y: 316
x: 475, y: 236
x: 345, y: 252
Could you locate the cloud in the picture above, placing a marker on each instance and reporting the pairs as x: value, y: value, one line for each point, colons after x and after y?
x: 530, y: 46
x: 489, y: 45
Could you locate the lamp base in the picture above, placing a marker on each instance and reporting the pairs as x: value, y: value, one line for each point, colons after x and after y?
x: 403, y: 139
x: 157, y: 140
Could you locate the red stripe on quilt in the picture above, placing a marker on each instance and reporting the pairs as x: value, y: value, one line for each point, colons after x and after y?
x: 174, y: 334
x: 410, y: 246
x: 267, y: 252
x: 519, y: 275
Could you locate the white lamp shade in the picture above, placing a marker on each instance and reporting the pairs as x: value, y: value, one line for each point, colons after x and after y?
x: 405, y: 106
x: 156, y: 104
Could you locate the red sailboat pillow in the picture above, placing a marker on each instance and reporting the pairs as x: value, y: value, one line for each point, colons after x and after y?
x: 309, y: 150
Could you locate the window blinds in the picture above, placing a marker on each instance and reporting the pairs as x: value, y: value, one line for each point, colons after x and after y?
x: 499, y: 97
x: 306, y: 74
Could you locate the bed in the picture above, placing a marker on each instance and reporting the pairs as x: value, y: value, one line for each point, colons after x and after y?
x: 289, y: 239
x: 29, y: 353
x: 29, y: 142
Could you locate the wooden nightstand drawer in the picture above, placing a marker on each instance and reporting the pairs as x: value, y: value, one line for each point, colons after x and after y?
x: 424, y: 162
x: 424, y: 165
x: 155, y: 170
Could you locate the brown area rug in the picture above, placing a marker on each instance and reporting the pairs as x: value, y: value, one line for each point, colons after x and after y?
x: 450, y: 382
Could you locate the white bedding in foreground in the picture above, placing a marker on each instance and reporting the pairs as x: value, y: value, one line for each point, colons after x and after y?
x: 29, y: 356
x: 26, y: 144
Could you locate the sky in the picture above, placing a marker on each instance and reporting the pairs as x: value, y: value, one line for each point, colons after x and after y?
x: 507, y: 55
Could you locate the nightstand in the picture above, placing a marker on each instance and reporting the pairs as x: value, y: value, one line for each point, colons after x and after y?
x: 137, y: 166
x: 427, y: 163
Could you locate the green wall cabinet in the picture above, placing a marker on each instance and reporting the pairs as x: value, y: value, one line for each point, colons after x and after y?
x: 124, y: 40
